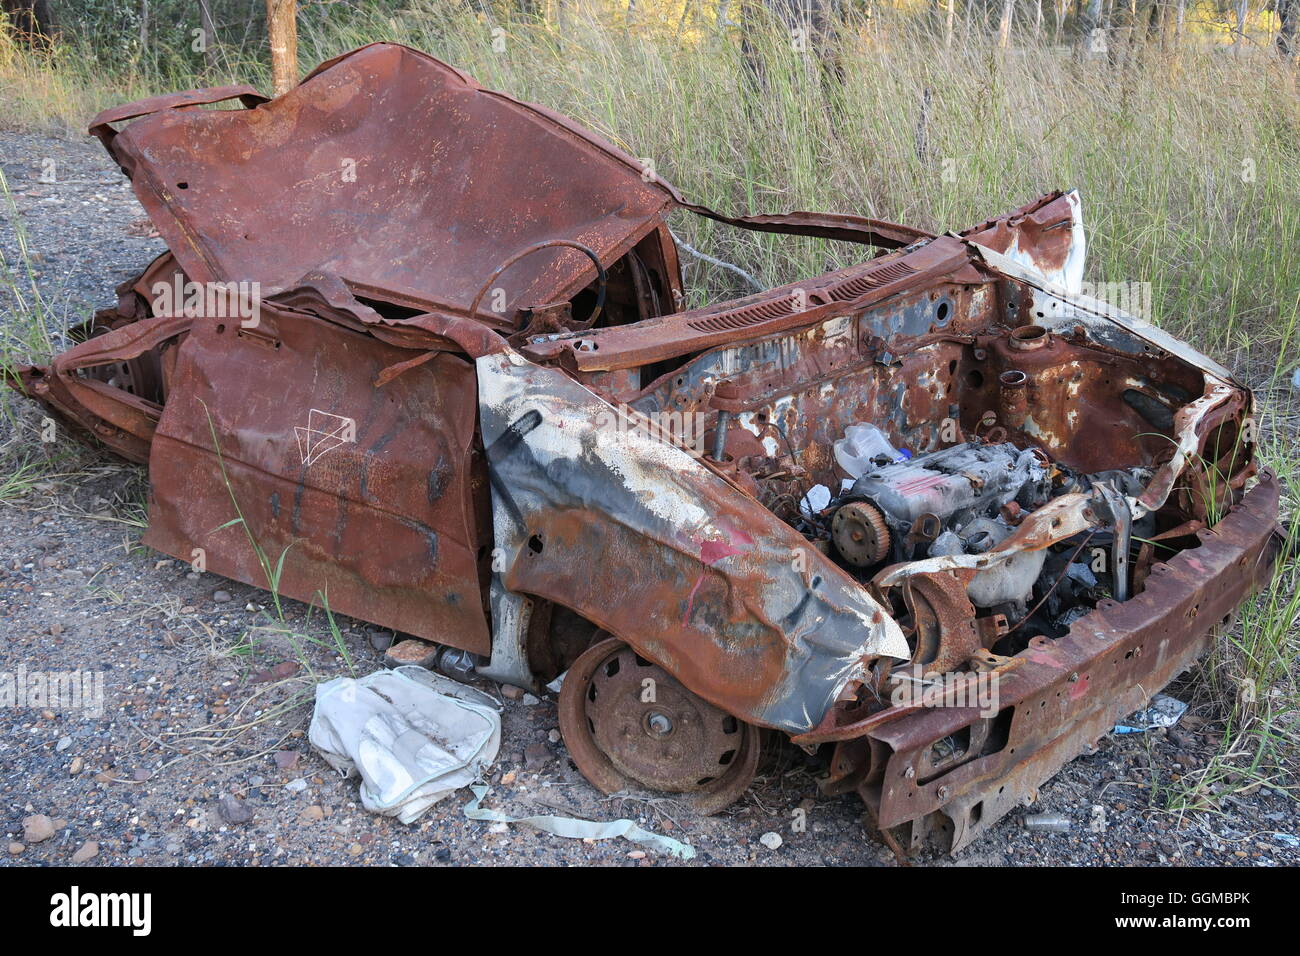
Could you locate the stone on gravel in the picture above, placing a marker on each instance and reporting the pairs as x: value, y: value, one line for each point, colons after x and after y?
x: 37, y: 828
x: 16, y: 848
x: 771, y: 840
x: 536, y: 756
x: 233, y: 810
x: 89, y: 850
x: 412, y: 652
x: 511, y: 692
x: 286, y: 759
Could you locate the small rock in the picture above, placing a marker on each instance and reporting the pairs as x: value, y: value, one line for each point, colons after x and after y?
x: 89, y: 850
x: 553, y: 736
x: 508, y: 778
x: 313, y: 814
x: 45, y: 542
x: 380, y: 640
x: 75, y: 767
x: 771, y: 840
x: 233, y: 810
x: 355, y: 849
x: 16, y: 848
x: 286, y: 759
x: 296, y: 786
x: 412, y: 652
x: 140, y: 776
x: 63, y: 744
x: 37, y: 828
x: 282, y: 671
x: 530, y: 701
x: 222, y: 597
x: 511, y: 692
x: 640, y: 854
x: 536, y: 756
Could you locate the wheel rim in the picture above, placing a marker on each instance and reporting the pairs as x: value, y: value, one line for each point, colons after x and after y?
x: 629, y: 724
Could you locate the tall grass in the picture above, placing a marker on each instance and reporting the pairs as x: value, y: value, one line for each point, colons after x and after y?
x: 1188, y: 160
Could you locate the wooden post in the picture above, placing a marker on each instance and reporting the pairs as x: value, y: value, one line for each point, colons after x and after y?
x: 282, y: 28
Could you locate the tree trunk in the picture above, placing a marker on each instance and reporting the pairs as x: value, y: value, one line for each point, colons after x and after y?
x: 209, y: 27
x: 30, y: 20
x: 1288, y: 13
x: 1004, y: 23
x: 947, y: 28
x: 1093, y: 35
x: 282, y: 28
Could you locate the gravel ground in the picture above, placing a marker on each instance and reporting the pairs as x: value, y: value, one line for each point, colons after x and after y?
x: 203, y: 706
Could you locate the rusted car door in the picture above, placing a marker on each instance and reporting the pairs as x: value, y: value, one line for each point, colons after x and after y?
x: 367, y: 493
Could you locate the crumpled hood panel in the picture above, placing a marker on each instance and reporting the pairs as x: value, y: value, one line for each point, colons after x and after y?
x: 393, y: 171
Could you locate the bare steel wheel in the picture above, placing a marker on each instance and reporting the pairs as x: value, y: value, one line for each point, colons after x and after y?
x: 628, y: 724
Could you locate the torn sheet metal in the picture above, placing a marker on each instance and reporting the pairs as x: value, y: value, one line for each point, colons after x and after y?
x: 1046, y: 237
x: 406, y: 179
x: 710, y: 585
x: 393, y: 171
x: 575, y: 829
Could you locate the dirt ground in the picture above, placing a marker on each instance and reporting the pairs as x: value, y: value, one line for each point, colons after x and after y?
x: 206, y: 701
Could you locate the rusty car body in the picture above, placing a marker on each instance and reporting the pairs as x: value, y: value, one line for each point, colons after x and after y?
x: 462, y: 413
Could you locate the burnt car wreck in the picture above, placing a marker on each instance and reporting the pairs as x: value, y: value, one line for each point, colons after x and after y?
x: 472, y: 409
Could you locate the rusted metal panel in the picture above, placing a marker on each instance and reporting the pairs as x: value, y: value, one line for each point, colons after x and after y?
x: 392, y: 171
x: 368, y: 493
x: 647, y: 542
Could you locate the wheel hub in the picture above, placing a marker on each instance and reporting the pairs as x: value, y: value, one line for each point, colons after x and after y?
x: 627, y: 722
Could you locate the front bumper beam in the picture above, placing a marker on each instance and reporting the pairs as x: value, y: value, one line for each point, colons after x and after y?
x: 943, y: 775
